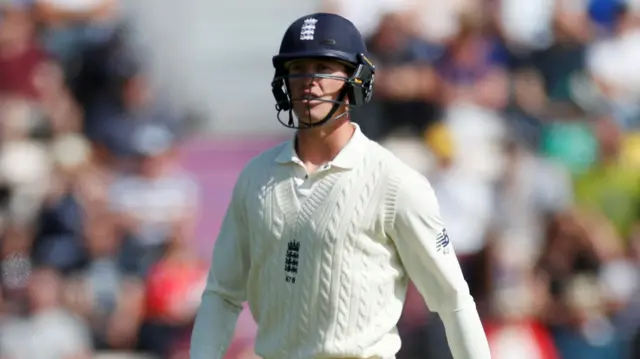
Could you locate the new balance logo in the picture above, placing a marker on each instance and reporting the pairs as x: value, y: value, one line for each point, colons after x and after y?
x: 442, y: 242
x: 308, y: 29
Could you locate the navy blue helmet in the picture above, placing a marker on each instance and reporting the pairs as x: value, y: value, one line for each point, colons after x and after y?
x: 323, y: 36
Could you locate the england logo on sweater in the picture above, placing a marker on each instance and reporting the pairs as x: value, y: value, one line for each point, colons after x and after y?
x: 291, y: 261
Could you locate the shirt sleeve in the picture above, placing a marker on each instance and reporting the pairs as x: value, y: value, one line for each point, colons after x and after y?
x: 430, y: 261
x: 225, y: 291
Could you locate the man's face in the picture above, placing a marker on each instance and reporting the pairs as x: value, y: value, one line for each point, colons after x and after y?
x: 311, y: 95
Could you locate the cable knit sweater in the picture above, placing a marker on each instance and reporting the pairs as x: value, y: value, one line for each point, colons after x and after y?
x: 324, y: 259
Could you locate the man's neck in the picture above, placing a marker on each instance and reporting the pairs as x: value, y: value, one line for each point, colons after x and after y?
x: 318, y: 146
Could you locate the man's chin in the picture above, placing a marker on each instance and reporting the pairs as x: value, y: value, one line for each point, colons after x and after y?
x: 306, y: 123
x: 312, y: 118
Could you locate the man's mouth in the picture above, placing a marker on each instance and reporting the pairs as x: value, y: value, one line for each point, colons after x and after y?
x: 310, y: 100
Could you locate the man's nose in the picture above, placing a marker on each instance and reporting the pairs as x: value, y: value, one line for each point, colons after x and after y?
x: 306, y: 80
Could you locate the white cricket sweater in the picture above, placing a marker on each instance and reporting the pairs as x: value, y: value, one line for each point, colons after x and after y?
x: 324, y: 261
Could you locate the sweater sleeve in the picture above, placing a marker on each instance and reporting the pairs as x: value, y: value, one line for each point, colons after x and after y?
x: 428, y: 256
x: 225, y: 291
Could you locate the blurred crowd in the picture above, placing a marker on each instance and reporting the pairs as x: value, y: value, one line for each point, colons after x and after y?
x: 524, y: 115
x: 95, y: 211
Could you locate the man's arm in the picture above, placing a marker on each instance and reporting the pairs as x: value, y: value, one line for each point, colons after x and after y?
x: 431, y: 263
x: 225, y: 291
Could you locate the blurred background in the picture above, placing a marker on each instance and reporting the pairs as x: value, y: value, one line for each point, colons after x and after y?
x: 124, y: 124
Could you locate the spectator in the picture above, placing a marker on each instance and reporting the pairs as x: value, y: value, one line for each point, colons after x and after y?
x: 113, y: 120
x: 406, y: 82
x: 608, y: 187
x: 173, y: 291
x: 16, y: 264
x: 157, y: 198
x: 109, y: 298
x: 474, y: 91
x: 61, y: 111
x: 75, y: 192
x: 71, y: 26
x: 516, y: 330
x: 59, y: 334
x: 609, y: 62
x: 588, y: 334
x: 20, y: 55
x: 527, y: 110
x: 24, y: 164
x: 530, y: 190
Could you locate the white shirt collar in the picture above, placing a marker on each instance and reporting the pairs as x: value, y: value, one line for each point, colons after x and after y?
x: 347, y: 158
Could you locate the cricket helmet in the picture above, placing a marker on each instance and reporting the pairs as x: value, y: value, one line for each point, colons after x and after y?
x: 323, y: 36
